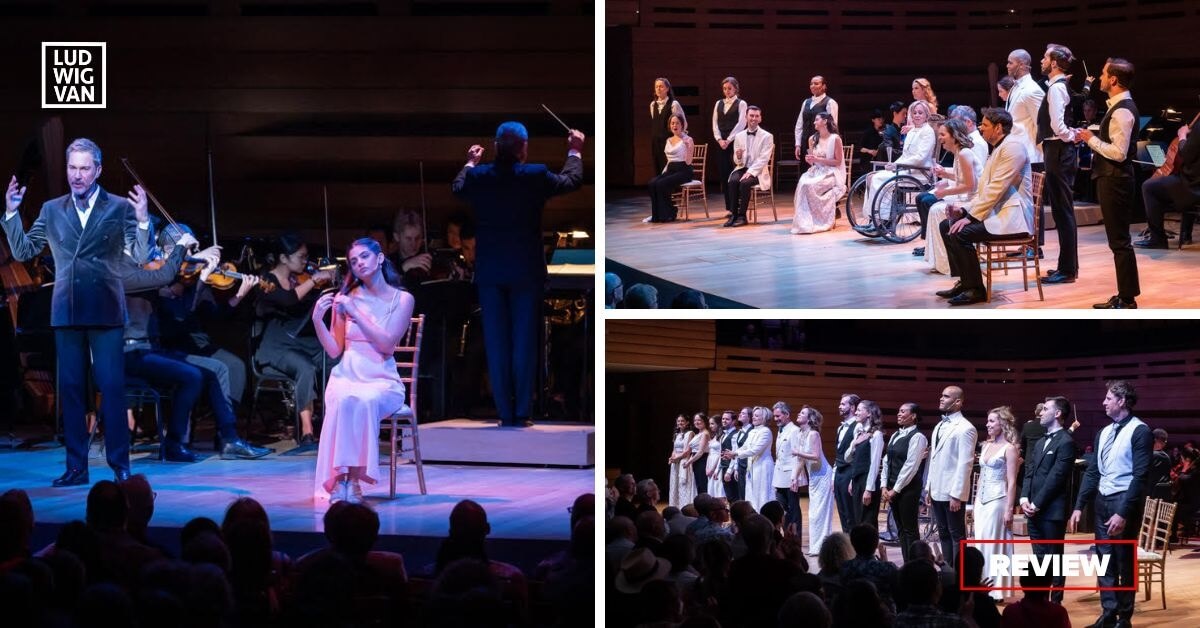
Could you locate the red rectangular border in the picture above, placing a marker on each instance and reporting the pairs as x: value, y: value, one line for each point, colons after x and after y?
x: 963, y: 543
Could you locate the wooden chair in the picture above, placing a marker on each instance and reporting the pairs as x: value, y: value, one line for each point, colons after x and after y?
x: 787, y: 159
x: 847, y: 156
x: 757, y: 192
x: 695, y: 187
x: 994, y: 254
x: 1152, y: 550
x: 402, y: 425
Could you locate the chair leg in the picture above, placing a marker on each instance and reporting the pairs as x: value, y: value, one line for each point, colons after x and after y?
x: 162, y: 431
x: 774, y: 212
x: 417, y: 456
x: 392, y: 456
x: 704, y: 197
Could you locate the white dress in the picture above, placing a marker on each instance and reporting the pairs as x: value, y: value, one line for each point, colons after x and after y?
x: 819, y: 189
x: 363, y: 388
x: 716, y: 487
x: 820, y: 495
x: 990, y: 501
x: 683, y: 487
x: 935, y: 246
x: 760, y: 470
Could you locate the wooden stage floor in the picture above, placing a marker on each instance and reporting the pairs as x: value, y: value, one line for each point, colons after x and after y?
x: 765, y: 266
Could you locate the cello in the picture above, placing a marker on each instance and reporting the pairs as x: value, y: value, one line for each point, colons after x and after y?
x: 1172, y: 160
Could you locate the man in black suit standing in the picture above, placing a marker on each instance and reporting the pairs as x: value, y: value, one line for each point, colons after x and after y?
x: 848, y: 513
x: 88, y: 231
x: 1046, y: 490
x: 728, y: 443
x: 508, y: 196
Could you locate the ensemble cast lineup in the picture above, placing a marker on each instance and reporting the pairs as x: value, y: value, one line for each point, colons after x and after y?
x: 954, y: 178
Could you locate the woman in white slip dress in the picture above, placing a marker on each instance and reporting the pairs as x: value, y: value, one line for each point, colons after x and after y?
x: 760, y: 469
x: 371, y: 313
x: 823, y: 183
x: 716, y: 487
x: 996, y: 491
x: 959, y: 186
x: 682, y: 488
x: 820, y: 478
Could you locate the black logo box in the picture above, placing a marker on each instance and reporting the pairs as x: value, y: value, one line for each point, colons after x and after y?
x: 69, y: 81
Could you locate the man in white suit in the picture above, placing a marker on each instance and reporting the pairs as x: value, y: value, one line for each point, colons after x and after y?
x: 787, y: 442
x: 752, y: 150
x: 951, y: 458
x: 1024, y: 102
x: 1002, y: 207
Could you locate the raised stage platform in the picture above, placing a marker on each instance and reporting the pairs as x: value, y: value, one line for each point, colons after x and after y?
x: 764, y: 266
x: 475, y: 441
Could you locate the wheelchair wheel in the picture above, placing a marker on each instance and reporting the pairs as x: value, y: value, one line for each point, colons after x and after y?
x: 896, y: 208
x: 856, y: 211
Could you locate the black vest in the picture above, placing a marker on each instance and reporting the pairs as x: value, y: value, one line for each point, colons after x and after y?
x: 861, y: 462
x: 660, y: 123
x: 808, y: 113
x: 1044, y: 131
x: 897, y: 454
x: 1105, y: 167
x: 844, y: 445
x: 740, y: 437
x: 728, y: 119
x: 727, y: 442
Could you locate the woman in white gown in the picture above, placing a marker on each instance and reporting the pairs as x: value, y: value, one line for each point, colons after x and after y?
x: 996, y: 491
x: 920, y: 145
x: 682, y: 488
x: 823, y: 183
x: 716, y: 487
x: 958, y: 186
x: 820, y: 478
x: 757, y: 450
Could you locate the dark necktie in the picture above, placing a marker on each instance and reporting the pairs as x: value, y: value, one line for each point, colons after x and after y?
x: 1109, y: 442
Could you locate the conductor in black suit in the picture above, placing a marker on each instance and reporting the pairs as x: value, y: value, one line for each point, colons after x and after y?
x: 88, y: 231
x: 508, y: 196
x: 1046, y: 491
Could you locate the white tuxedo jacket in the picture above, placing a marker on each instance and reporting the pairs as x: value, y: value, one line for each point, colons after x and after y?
x: 1004, y: 197
x: 763, y: 146
x: 1024, y: 101
x: 951, y: 458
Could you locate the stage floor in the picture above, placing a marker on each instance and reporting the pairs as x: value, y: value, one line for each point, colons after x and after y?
x: 522, y: 503
x: 765, y: 266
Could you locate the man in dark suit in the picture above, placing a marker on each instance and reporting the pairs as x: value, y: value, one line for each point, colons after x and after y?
x: 508, y: 196
x: 728, y: 443
x: 1046, y: 490
x: 842, y: 472
x: 87, y: 231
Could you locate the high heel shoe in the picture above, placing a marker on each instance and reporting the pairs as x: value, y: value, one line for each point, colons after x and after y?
x: 354, y: 494
x: 340, y: 492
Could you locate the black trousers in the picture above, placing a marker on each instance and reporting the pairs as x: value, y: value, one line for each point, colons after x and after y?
x: 700, y: 473
x: 1122, y: 571
x: 905, y: 508
x: 657, y: 155
x: 732, y: 487
x: 1116, y: 208
x: 952, y: 528
x: 960, y: 251
x: 511, y: 313
x: 791, y: 508
x: 737, y: 193
x: 1053, y: 529
x: 1169, y: 194
x: 1062, y: 163
x: 741, y: 480
x: 925, y: 200
x: 665, y: 184
x: 724, y: 162
x: 847, y: 514
x: 104, y: 345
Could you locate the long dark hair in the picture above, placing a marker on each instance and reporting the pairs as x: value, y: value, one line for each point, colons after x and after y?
x: 389, y: 271
x: 286, y: 244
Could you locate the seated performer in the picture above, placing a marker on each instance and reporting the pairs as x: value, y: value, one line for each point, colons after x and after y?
x: 920, y: 144
x: 678, y: 171
x: 752, y: 150
x: 145, y: 359
x: 283, y: 311
x: 371, y: 313
x: 957, y: 185
x: 824, y: 183
x: 1002, y: 207
x: 1178, y: 191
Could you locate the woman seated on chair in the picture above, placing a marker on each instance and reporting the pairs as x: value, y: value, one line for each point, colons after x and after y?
x: 823, y: 183
x: 678, y: 171
x: 371, y: 314
x: 919, y: 146
x: 284, y: 311
x: 957, y: 185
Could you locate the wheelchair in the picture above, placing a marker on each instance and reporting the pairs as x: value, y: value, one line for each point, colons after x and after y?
x: 893, y: 213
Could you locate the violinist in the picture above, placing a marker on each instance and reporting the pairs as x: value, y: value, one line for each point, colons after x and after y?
x: 187, y: 308
x: 411, y: 258
x: 189, y: 375
x: 1178, y: 192
x: 284, y: 311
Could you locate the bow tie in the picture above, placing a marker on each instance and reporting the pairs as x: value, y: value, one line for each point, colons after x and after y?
x: 751, y: 132
x: 945, y: 417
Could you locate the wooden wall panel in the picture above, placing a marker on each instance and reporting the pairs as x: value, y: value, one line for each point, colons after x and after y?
x: 659, y: 345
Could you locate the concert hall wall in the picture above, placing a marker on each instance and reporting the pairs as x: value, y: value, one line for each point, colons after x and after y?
x: 294, y: 95
x: 869, y: 53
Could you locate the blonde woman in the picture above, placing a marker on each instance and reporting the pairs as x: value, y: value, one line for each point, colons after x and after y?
x: 761, y: 462
x: 996, y: 491
x: 682, y: 485
x: 920, y: 143
x: 922, y: 91
x: 816, y: 471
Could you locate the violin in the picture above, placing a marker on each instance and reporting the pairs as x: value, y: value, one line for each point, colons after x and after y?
x: 227, y: 276
x: 188, y: 270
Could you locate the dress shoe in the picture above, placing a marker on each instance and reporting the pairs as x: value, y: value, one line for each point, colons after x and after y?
x: 969, y: 297
x: 648, y: 219
x: 120, y: 475
x: 956, y: 290
x: 737, y: 222
x: 528, y: 423
x: 729, y: 222
x: 238, y: 448
x: 1186, y: 239
x: 307, y: 441
x: 176, y: 452
x: 1057, y: 277
x: 73, y: 477
x: 1104, y: 621
x: 1123, y: 623
x: 919, y: 251
x: 1151, y: 243
x: 1116, y: 303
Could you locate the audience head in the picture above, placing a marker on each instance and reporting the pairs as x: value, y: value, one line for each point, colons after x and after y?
x: 468, y: 520
x: 647, y: 492
x: 739, y: 510
x: 920, y: 583
x: 759, y: 534
x: 865, y: 539
x: 805, y: 609
x: 640, y: 567
x: 670, y: 512
x: 689, y: 300
x: 613, y: 290
x: 351, y: 529
x: 835, y: 550
x: 1031, y: 581
x: 207, y: 547
x: 773, y: 511
x: 973, y: 562
x: 859, y: 604
x: 141, y: 503
x: 583, y: 506
x: 196, y: 527
x: 620, y: 528
x: 680, y: 551
x: 641, y: 297
x: 921, y: 549
x: 625, y: 484
x: 243, y: 509
x: 651, y: 525
x: 107, y: 507
x: 16, y: 524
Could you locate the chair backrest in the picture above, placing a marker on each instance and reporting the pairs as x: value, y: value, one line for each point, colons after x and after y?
x: 408, y: 358
x: 1149, y: 518
x: 1039, y: 183
x: 1162, y: 526
x: 847, y: 157
x: 699, y: 156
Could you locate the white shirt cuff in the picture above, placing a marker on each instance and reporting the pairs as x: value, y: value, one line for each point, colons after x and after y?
x: 8, y: 214
x: 144, y: 225
x: 574, y: 153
